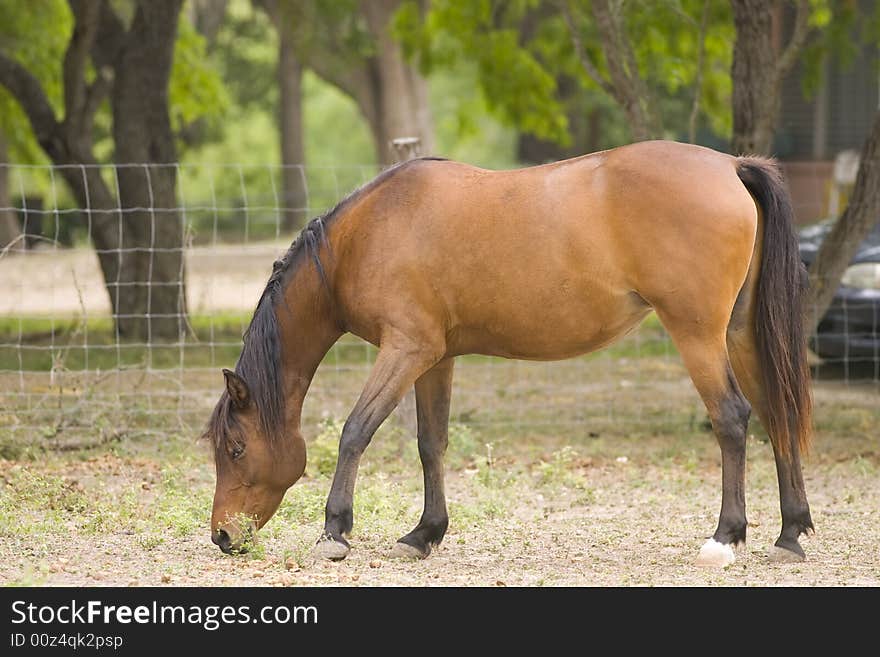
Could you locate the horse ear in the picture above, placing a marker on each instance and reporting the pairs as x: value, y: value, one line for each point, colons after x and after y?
x: 237, y: 389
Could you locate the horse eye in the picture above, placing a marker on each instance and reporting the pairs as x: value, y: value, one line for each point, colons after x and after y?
x: 237, y: 451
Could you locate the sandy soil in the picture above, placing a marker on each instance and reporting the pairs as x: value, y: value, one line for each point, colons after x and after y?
x: 609, y: 514
x: 67, y: 282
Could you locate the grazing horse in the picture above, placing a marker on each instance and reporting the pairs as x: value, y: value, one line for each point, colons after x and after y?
x: 434, y: 259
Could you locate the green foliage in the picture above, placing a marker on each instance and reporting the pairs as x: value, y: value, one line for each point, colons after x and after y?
x: 515, y: 84
x: 666, y: 41
x: 465, y: 128
x: 843, y: 31
x: 525, y: 60
x: 196, y: 90
x: 35, y: 34
x: 246, y: 52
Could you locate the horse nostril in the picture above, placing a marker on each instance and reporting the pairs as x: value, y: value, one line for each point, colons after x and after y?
x: 222, y: 540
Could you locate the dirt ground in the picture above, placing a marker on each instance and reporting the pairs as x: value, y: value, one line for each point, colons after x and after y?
x: 596, y: 512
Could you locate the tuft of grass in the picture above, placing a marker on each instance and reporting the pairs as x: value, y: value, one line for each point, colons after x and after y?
x: 464, y: 446
x: 560, y: 469
x: 323, y: 450
x: 28, y: 490
x: 179, y: 509
x: 304, y: 503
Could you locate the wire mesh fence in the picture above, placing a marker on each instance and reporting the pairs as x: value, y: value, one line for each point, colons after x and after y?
x: 69, y: 376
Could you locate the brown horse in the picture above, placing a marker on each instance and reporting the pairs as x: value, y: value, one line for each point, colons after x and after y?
x: 434, y: 259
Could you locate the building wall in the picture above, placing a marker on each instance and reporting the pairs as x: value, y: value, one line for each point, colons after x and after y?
x: 809, y: 182
x: 837, y: 116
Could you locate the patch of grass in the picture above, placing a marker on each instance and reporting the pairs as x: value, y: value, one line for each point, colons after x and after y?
x: 37, y: 504
x: 323, y: 450
x: 304, y: 503
x: 37, y: 344
x: 149, y: 540
x: 486, y: 505
x: 179, y: 509
x: 464, y: 445
x: 27, y: 489
x: 381, y: 508
x: 561, y: 470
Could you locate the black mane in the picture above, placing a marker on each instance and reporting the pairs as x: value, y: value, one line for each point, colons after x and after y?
x: 260, y: 361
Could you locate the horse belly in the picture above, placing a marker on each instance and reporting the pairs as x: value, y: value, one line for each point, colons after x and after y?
x: 549, y: 329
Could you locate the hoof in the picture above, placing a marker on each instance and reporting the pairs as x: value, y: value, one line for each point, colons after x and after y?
x: 715, y: 555
x: 407, y: 551
x: 778, y: 554
x: 333, y: 550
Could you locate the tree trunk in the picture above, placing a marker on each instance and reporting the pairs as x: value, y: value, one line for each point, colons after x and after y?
x: 140, y: 252
x: 396, y: 99
x: 841, y: 244
x: 758, y: 69
x: 207, y: 16
x: 290, y: 70
x: 10, y: 229
x: 152, y: 294
x: 755, y: 102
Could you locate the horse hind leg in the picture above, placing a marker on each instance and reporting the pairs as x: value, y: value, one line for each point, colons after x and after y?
x: 796, y: 518
x: 433, y: 394
x: 704, y: 352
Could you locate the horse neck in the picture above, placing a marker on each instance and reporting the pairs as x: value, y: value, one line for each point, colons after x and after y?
x: 307, y: 330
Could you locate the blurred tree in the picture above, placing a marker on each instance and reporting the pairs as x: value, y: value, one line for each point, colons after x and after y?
x: 10, y: 229
x: 351, y: 45
x: 287, y: 19
x: 394, y: 94
x: 558, y: 69
x: 624, y: 81
x: 41, y: 54
x: 840, y: 245
x: 121, y: 54
x: 207, y: 16
x: 760, y: 62
x: 849, y: 27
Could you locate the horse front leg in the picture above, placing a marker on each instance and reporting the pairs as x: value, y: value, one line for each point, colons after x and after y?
x: 398, y: 364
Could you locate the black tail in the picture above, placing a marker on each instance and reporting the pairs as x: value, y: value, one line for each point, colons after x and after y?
x: 779, y: 319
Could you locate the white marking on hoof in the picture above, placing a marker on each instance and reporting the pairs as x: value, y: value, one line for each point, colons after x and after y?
x: 330, y: 549
x: 406, y: 551
x: 777, y: 554
x: 715, y: 554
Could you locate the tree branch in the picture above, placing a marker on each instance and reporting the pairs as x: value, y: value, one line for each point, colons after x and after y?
x: 587, y: 64
x: 85, y: 14
x: 96, y: 93
x: 698, y: 79
x: 110, y: 39
x: 632, y: 93
x: 802, y: 31
x: 842, y: 242
x: 26, y: 89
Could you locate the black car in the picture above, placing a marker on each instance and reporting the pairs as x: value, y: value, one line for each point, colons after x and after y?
x: 850, y: 330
